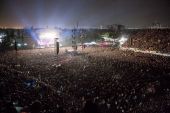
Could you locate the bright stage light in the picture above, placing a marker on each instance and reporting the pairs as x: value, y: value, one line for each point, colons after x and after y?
x: 47, y: 37
x: 19, y: 45
x: 122, y: 40
x: 2, y: 35
x: 25, y: 44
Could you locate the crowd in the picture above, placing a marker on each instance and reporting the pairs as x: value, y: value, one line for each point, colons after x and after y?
x: 92, y: 81
x: 150, y: 39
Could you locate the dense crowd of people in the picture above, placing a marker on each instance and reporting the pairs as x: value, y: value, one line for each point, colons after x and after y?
x: 150, y: 39
x: 95, y: 80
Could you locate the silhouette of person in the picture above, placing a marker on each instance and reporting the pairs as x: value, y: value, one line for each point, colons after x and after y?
x: 60, y: 110
x: 10, y: 108
x: 90, y: 107
x: 15, y: 45
x: 35, y: 107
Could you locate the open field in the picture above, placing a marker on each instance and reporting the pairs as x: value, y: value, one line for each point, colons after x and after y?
x: 114, y: 81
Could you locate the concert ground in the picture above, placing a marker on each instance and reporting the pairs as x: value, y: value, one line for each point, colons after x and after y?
x: 115, y: 80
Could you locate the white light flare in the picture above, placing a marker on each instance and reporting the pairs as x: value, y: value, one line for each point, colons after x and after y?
x: 145, y: 51
x: 48, y: 37
x: 1, y: 37
x: 122, y: 40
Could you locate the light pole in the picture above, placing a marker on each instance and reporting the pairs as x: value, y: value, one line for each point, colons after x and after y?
x: 57, y: 45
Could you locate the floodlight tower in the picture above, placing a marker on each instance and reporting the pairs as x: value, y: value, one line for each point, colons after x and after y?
x: 16, y: 34
x: 74, y: 42
x: 82, y: 37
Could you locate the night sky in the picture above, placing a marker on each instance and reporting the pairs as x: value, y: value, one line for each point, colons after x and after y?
x: 89, y: 13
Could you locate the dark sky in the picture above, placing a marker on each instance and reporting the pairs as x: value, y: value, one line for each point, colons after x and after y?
x: 89, y: 13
